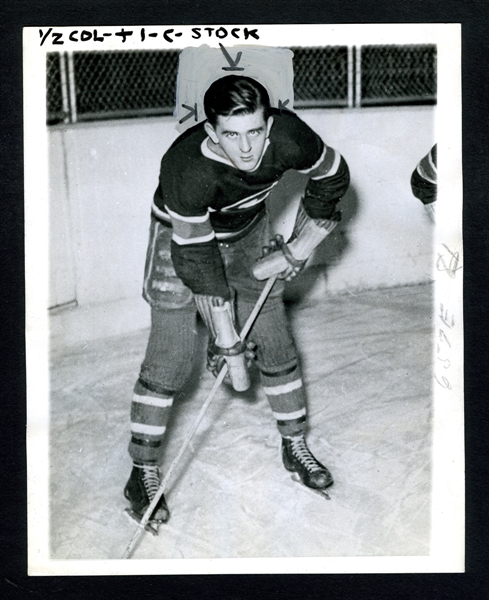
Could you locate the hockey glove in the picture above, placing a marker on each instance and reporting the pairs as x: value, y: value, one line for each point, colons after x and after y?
x: 292, y: 267
x: 216, y: 358
x: 308, y: 233
x: 218, y: 315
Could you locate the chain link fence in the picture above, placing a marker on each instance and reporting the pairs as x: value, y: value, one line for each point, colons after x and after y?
x: 124, y: 84
x: 84, y: 86
x: 55, y: 110
x: 398, y: 74
x: 321, y: 76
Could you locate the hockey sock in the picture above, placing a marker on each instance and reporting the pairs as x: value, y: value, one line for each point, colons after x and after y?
x: 150, y: 410
x: 285, y: 393
x: 165, y: 369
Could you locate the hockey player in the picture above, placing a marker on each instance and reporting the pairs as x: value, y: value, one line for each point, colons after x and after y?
x: 424, y: 181
x: 209, y: 227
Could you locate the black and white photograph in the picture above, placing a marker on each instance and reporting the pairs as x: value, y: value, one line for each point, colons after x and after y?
x: 244, y: 318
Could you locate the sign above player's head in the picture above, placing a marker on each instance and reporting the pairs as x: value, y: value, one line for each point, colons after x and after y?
x: 200, y: 69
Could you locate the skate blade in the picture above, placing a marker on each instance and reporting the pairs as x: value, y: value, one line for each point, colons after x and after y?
x: 322, y: 493
x: 151, y: 526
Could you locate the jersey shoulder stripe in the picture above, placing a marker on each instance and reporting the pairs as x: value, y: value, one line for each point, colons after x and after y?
x: 328, y: 167
x: 316, y: 165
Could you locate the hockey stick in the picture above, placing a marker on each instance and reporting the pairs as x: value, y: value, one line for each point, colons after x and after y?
x: 222, y: 373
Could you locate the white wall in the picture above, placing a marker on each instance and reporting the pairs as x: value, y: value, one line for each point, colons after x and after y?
x: 102, y: 179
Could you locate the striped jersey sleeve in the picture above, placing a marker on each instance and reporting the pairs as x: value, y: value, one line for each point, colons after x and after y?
x: 196, y: 256
x: 328, y: 181
x: 182, y: 200
x: 327, y: 170
x: 191, y: 230
x: 424, y: 178
x: 325, y: 166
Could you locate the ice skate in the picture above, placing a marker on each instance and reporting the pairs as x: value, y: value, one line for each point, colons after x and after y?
x: 307, y: 470
x: 140, y: 489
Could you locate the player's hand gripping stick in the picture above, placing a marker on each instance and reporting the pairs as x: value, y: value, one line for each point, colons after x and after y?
x: 308, y: 233
x: 225, y: 342
x: 228, y: 344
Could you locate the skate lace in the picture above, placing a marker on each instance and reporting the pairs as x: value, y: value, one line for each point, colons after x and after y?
x: 303, y: 454
x: 151, y: 480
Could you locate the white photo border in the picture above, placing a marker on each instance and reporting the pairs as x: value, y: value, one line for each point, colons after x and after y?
x: 447, y: 538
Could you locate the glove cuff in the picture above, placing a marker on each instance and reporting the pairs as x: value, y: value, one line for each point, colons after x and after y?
x: 291, y: 259
x: 238, y: 348
x: 208, y: 305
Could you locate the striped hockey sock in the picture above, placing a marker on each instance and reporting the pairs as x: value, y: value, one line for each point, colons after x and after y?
x: 285, y: 393
x: 150, y: 410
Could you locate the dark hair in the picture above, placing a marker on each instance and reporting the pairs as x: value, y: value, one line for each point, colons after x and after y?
x: 235, y: 95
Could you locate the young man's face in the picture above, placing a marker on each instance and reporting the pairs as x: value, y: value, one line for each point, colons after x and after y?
x: 241, y: 138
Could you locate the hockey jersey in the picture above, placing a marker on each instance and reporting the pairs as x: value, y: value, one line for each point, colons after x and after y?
x: 207, y: 199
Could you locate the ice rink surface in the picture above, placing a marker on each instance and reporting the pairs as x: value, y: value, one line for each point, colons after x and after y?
x: 368, y: 373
